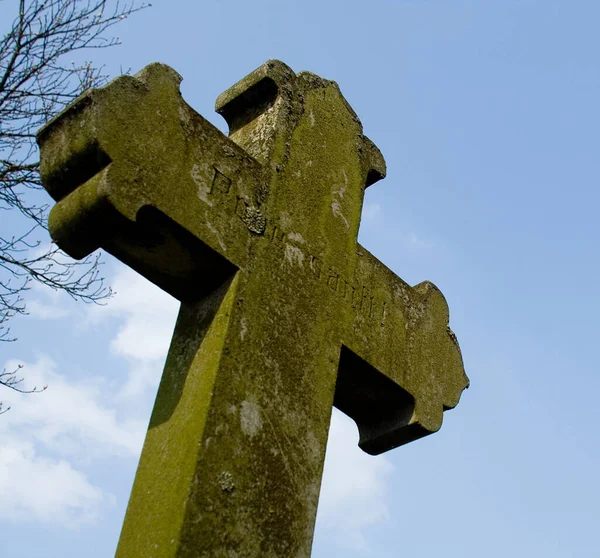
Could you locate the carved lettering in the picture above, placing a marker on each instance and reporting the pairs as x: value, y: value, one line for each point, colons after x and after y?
x: 348, y: 292
x: 366, y: 303
x: 316, y: 266
x: 278, y: 235
x: 221, y: 183
x: 359, y: 296
x: 333, y: 279
x: 240, y: 206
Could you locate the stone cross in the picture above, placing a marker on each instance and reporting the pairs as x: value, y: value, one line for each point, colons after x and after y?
x: 283, y: 315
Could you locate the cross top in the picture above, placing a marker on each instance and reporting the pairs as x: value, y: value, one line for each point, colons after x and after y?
x: 283, y: 314
x: 307, y: 135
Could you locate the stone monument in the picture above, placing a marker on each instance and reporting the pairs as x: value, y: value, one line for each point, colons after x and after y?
x: 283, y: 314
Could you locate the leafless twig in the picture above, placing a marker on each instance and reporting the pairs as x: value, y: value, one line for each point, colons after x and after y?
x: 38, y: 78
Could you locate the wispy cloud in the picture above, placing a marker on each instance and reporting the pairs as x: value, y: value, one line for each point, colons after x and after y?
x: 47, y: 311
x: 147, y: 318
x: 47, y: 304
x: 34, y: 488
x: 353, y: 494
x: 50, y: 439
x: 47, y: 437
x: 70, y: 416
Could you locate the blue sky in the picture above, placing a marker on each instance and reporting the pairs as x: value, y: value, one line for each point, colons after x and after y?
x: 488, y: 116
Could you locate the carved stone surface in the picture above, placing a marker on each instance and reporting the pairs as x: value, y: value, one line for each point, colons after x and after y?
x: 283, y: 314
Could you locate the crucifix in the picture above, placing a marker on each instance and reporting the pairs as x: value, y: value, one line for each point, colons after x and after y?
x: 283, y: 314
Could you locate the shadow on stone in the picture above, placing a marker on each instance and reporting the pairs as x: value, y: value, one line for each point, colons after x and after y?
x: 381, y: 409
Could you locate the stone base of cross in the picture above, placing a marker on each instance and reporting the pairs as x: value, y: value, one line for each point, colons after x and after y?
x: 283, y: 315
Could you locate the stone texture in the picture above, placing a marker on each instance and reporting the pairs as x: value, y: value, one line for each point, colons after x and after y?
x: 282, y: 313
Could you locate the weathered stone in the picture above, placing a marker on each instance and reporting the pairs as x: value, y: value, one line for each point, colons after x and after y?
x: 282, y: 314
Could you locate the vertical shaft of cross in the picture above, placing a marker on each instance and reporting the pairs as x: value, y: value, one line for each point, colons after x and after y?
x: 157, y: 507
x: 238, y: 435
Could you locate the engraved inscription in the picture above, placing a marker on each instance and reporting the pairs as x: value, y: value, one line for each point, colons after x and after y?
x: 221, y: 184
x: 221, y: 187
x: 359, y: 297
x: 277, y: 235
x: 348, y: 291
x: 316, y: 266
x: 333, y: 279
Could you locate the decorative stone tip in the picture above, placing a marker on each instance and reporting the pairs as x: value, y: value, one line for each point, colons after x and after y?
x: 254, y: 94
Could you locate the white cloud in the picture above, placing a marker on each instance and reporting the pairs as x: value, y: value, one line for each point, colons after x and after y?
x: 69, y: 414
x: 50, y: 440
x: 35, y: 488
x: 46, y: 311
x: 353, y: 493
x: 147, y: 317
x: 48, y: 437
x: 47, y: 304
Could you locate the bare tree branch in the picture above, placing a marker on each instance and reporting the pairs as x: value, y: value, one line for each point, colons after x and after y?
x: 12, y: 381
x: 37, y: 80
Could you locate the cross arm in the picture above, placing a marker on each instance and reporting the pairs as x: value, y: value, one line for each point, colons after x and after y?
x: 135, y: 170
x: 401, y: 365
